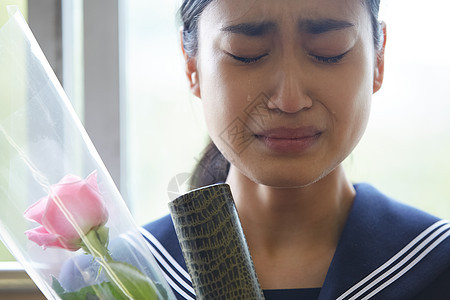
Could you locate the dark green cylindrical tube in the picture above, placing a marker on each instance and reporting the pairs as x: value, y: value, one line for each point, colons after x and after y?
x: 213, y: 244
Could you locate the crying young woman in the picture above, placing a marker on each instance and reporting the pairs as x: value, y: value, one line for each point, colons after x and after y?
x: 286, y: 89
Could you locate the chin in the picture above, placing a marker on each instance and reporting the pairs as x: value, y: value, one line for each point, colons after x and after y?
x: 285, y: 180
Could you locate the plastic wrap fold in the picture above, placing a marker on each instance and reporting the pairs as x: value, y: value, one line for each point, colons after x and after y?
x: 61, y: 215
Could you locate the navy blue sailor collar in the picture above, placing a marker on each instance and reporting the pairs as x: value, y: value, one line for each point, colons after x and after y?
x: 388, y: 250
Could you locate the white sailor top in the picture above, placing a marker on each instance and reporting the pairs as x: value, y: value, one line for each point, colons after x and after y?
x: 387, y: 250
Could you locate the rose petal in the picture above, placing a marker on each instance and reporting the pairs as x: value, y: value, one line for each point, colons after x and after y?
x: 69, y: 179
x: 97, y: 214
x: 73, y: 208
x: 43, y: 238
x: 55, y: 221
x: 37, y: 210
x: 82, y: 204
x: 92, y: 180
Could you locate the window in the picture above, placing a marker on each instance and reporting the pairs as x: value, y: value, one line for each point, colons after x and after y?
x: 404, y: 151
x: 164, y: 130
x: 23, y: 5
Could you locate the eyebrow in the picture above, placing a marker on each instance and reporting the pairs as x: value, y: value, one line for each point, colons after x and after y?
x: 320, y: 26
x: 250, y: 29
x: 311, y: 26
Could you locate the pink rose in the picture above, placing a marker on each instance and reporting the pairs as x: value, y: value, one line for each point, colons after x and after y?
x: 84, y: 204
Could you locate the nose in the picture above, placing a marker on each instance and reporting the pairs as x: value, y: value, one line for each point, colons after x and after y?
x: 289, y: 93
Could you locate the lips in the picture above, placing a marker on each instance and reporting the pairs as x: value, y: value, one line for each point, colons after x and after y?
x: 289, y: 133
x: 289, y: 140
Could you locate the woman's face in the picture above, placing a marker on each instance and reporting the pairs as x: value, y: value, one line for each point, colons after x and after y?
x: 286, y: 85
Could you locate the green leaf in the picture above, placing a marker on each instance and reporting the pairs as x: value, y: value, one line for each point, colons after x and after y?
x: 133, y: 281
x: 136, y: 284
x: 162, y: 290
x: 105, y: 290
x: 56, y: 286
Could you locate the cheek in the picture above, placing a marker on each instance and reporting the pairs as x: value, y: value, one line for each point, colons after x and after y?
x: 350, y: 107
x: 225, y: 94
x: 228, y: 100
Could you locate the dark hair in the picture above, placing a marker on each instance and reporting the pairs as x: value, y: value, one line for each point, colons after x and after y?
x: 378, y: 37
x: 213, y: 166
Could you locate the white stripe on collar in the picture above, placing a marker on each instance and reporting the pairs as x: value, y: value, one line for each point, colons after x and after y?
x: 169, y: 265
x: 166, y: 254
x: 440, y: 228
x: 176, y: 287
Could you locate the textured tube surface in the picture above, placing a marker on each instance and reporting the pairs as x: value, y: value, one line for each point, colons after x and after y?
x: 213, y: 244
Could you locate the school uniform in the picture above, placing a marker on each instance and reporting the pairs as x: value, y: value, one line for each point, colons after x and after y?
x: 387, y: 250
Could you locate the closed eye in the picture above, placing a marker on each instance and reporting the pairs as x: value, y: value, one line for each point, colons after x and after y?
x: 329, y: 59
x: 247, y: 60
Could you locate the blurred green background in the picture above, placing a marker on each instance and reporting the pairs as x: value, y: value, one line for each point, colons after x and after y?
x: 22, y: 4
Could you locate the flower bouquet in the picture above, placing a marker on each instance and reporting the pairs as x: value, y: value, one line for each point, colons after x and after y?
x: 61, y: 215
